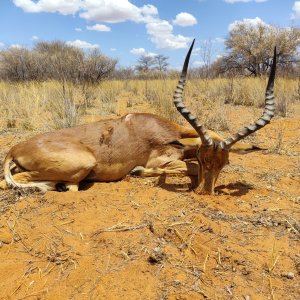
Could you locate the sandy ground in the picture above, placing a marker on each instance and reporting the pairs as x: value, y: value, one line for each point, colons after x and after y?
x: 136, y: 239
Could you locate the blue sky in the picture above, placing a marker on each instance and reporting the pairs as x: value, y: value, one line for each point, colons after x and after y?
x: 126, y: 29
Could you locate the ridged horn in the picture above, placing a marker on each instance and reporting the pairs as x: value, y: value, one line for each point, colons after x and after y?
x: 266, y: 116
x: 178, y: 101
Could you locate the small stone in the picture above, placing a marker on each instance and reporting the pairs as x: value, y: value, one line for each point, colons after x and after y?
x: 289, y: 275
x: 157, y: 249
x: 157, y: 256
x: 247, y: 297
x: 17, y: 238
x: 176, y: 283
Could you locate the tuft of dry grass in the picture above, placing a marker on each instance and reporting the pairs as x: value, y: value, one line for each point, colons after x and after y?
x: 107, y: 97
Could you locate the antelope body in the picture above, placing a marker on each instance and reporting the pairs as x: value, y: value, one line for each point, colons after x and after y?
x: 101, y: 151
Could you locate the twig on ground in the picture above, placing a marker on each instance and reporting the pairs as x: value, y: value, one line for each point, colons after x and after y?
x: 205, y: 261
x: 187, y: 244
x: 119, y: 228
x: 180, y: 223
x: 17, y: 237
x: 16, y: 289
x: 67, y: 222
x: 187, y: 270
x: 273, y: 264
x: 219, y: 258
x: 292, y: 227
x: 274, y: 260
x: 271, y: 288
x: 34, y: 294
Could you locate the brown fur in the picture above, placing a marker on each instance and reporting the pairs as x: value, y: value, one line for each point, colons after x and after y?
x: 211, y: 161
x: 103, y: 151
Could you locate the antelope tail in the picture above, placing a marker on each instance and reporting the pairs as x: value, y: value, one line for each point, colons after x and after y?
x: 12, y: 183
x: 7, y: 173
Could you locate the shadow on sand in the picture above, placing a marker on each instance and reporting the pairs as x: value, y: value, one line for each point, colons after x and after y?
x: 234, y: 189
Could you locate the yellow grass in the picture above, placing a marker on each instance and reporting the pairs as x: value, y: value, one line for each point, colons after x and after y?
x: 47, y: 105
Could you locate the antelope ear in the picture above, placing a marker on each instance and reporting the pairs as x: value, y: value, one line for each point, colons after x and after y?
x: 244, y: 148
x: 187, y: 143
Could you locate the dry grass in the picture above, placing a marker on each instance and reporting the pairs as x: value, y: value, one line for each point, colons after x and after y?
x: 50, y: 105
x: 47, y: 105
x: 107, y: 97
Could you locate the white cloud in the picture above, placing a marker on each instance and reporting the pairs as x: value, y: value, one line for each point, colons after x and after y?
x: 235, y: 1
x: 34, y: 38
x: 111, y: 11
x: 138, y: 51
x: 248, y: 22
x: 78, y: 29
x: 161, y: 34
x: 185, y: 19
x: 2, y: 44
x: 94, y: 10
x: 218, y: 56
x: 98, y: 27
x: 296, y: 9
x: 82, y: 44
x: 64, y: 7
x: 142, y: 51
x: 218, y: 40
x: 198, y: 63
x: 151, y: 54
x: 18, y: 46
x: 149, y: 10
x: 113, y: 49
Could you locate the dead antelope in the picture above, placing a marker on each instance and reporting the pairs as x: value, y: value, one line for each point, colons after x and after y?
x: 102, y: 151
x: 109, y: 150
x: 212, y: 154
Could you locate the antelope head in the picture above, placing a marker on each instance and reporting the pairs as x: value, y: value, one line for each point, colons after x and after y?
x: 212, y: 155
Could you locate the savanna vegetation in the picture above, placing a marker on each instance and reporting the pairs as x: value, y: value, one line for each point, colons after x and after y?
x: 140, y: 238
x: 55, y: 85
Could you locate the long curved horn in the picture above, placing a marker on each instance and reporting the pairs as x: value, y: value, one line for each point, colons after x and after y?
x: 177, y: 100
x: 266, y: 116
